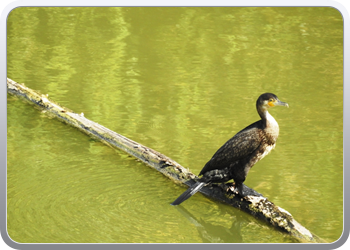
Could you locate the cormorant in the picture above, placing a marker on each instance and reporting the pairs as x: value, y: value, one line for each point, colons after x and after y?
x: 239, y: 154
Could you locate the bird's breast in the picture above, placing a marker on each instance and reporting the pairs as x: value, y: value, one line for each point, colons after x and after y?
x: 266, y: 150
x: 261, y: 152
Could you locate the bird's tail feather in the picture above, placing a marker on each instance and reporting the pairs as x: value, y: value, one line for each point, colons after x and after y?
x: 188, y: 193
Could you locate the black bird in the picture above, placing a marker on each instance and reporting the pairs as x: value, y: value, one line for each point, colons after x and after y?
x: 239, y: 154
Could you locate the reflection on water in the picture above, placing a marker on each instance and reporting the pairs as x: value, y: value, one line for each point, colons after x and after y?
x: 181, y: 81
x: 233, y: 226
x: 211, y: 233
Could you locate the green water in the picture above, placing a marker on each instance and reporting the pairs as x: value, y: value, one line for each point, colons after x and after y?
x: 181, y: 81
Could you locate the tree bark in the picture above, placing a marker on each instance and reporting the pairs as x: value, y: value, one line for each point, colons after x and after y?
x: 257, y: 206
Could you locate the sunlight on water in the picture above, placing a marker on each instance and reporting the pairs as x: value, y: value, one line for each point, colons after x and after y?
x: 181, y: 81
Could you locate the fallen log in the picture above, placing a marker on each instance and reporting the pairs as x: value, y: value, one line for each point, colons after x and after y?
x: 255, y: 204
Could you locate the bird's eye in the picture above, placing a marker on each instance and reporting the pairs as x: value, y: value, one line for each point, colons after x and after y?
x: 271, y: 100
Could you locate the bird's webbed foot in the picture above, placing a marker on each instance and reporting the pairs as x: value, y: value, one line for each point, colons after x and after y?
x: 243, y: 191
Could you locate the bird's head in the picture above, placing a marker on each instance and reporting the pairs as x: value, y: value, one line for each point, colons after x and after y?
x: 269, y: 100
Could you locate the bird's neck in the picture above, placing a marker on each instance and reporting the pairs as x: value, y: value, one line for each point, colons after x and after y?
x: 271, y: 125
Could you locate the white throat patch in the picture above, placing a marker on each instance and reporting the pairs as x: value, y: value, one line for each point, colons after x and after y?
x: 271, y: 120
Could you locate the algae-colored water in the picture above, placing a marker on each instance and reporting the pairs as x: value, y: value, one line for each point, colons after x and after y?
x: 181, y: 81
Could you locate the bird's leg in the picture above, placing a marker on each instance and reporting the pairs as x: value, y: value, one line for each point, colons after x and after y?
x: 239, y: 189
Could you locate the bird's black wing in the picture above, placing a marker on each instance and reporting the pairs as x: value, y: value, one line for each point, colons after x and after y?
x: 238, y: 147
